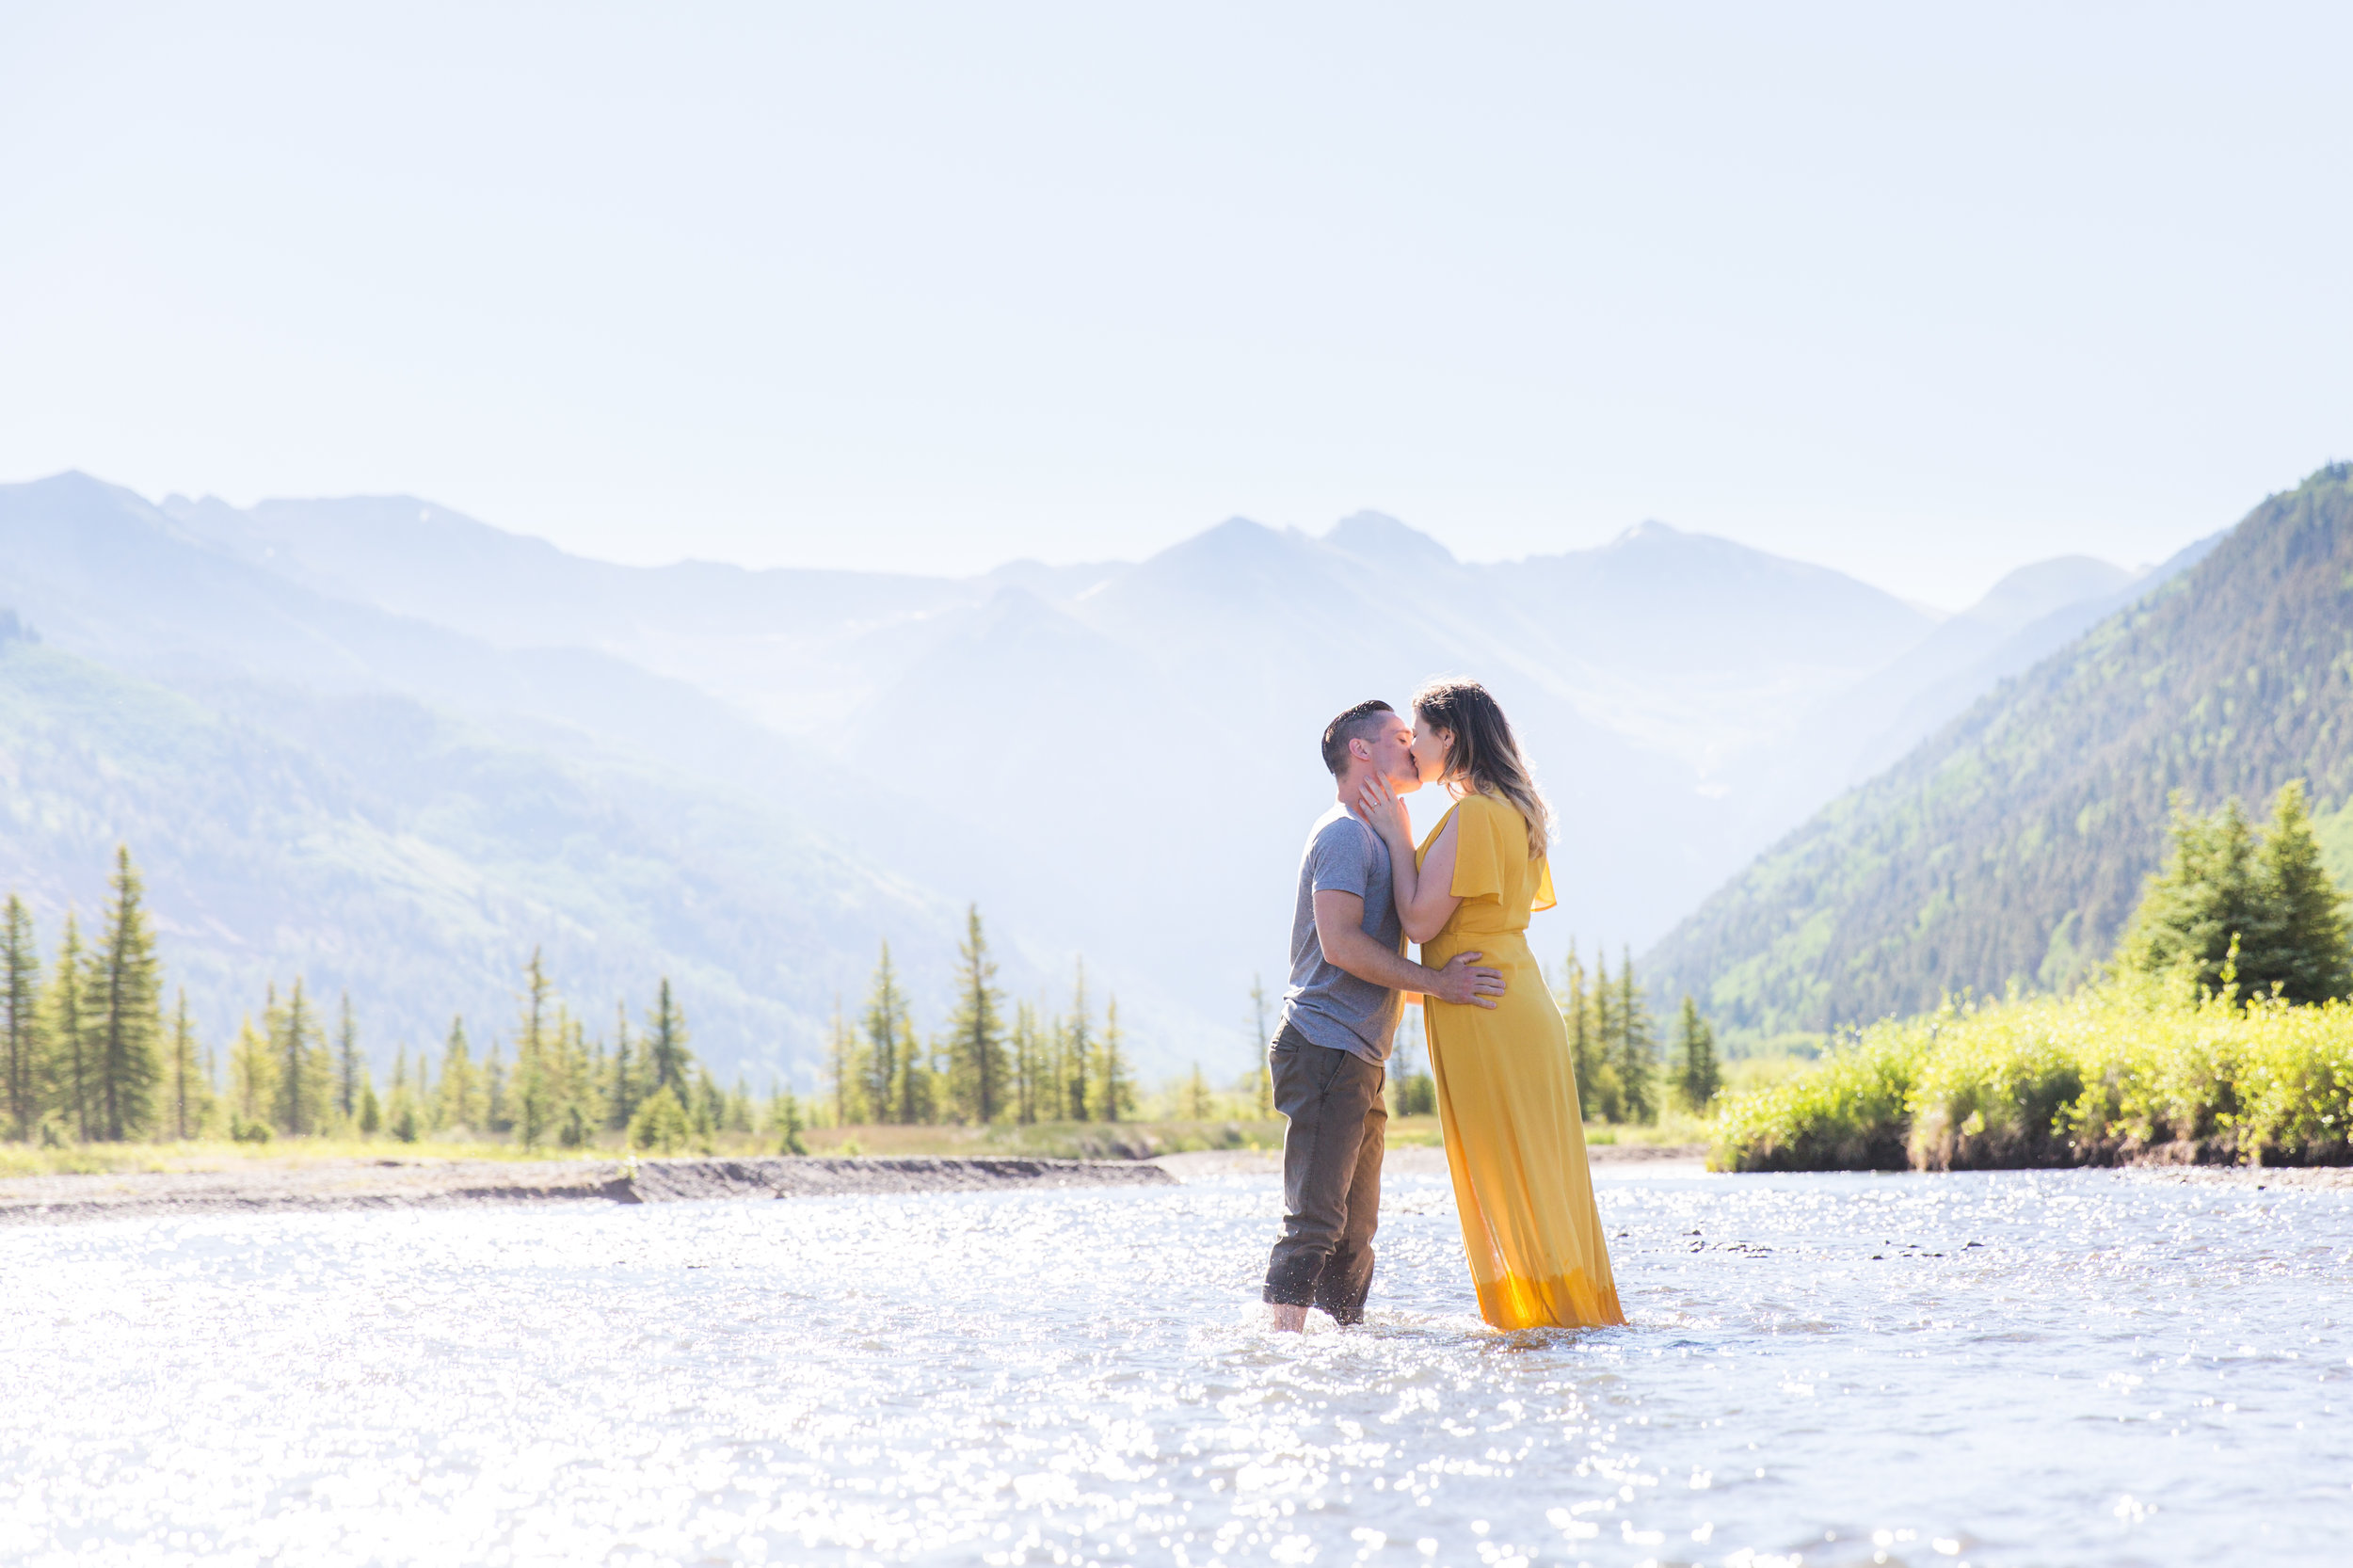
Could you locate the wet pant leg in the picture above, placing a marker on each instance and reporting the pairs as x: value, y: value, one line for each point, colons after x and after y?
x: 1332, y: 1154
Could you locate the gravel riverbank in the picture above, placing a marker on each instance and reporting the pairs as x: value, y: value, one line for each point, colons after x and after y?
x: 1411, y: 1160
x: 442, y: 1184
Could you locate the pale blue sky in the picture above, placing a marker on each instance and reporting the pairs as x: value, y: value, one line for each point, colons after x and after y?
x: 1919, y: 294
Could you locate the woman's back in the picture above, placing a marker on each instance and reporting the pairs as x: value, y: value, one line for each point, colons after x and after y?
x: 1495, y: 877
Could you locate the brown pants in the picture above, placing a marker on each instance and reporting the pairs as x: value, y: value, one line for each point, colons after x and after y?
x: 1331, y: 1176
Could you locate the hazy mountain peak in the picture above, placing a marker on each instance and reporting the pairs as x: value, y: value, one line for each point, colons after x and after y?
x: 1235, y: 547
x: 2032, y: 592
x: 1378, y: 537
x: 1650, y: 531
x: 1236, y: 532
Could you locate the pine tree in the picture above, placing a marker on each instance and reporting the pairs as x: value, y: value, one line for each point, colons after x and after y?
x: 660, y: 1123
x: 191, y: 1086
x: 400, y: 1117
x: 2308, y: 959
x: 1024, y: 1065
x: 1078, y: 1048
x: 1197, y: 1107
x: 919, y: 1079
x: 534, y: 1108
x: 496, y: 1114
x: 845, y: 1069
x: 887, y: 1034
x: 1118, y: 1089
x: 348, y: 1064
x: 127, y: 986
x: 705, y: 1112
x: 622, y: 1096
x: 1605, y: 1034
x: 462, y: 1102
x: 2207, y: 894
x: 1605, y: 1042
x: 785, y: 1123
x: 425, y: 1095
x: 253, y: 1078
x: 305, y: 1086
x: 595, y: 1094
x: 574, y: 1081
x: 1699, y: 1078
x: 976, y: 1030
x: 67, y: 1024
x: 22, y: 1036
x: 370, y: 1109
x: 667, y: 1059
x: 1417, y: 1090
x: 1262, y: 1045
x: 1638, y: 1053
x: 1585, y: 1055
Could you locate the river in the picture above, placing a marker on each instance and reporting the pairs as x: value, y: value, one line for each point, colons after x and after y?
x: 2066, y: 1367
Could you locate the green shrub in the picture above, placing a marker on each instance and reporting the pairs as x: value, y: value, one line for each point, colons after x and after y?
x: 2137, y: 1070
x: 661, y: 1123
x: 1846, y: 1113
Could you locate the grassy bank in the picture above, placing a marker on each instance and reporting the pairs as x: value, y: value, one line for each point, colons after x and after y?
x: 2115, y: 1075
x: 1047, y: 1139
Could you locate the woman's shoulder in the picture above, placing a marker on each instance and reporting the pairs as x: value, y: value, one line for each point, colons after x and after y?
x: 1496, y: 816
x: 1483, y: 808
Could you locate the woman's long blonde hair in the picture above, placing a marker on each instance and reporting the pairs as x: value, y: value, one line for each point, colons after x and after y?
x: 1484, y: 756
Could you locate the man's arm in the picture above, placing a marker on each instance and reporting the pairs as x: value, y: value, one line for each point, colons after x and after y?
x: 1341, y: 932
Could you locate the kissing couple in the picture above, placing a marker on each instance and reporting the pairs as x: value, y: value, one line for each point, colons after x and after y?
x: 1507, y: 1090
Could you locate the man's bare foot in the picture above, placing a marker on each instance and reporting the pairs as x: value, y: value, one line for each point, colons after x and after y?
x: 1289, y: 1320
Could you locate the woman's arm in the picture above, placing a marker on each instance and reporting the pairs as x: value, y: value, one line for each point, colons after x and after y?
x: 1425, y: 898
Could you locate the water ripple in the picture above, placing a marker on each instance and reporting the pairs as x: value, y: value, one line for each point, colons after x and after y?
x: 2065, y: 1366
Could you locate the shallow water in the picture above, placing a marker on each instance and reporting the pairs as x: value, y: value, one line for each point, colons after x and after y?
x: 2045, y: 1368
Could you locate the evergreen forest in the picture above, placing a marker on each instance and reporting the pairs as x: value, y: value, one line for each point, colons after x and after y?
x: 1615, y: 1046
x: 90, y: 1053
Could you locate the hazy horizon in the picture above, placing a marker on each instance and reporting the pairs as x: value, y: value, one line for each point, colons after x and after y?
x: 1004, y: 561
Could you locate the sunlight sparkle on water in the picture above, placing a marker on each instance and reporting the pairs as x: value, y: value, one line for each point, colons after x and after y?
x: 2067, y: 1367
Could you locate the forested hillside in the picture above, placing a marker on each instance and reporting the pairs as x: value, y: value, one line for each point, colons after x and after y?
x: 2013, y: 844
x: 378, y: 847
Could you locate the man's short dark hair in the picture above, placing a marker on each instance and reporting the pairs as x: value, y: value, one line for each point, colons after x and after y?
x: 1360, y: 723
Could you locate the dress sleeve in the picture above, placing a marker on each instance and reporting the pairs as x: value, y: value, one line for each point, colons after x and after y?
x: 1478, y: 865
x: 1543, y: 899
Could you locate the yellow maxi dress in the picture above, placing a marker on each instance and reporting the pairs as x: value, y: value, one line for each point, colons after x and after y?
x: 1507, y: 1093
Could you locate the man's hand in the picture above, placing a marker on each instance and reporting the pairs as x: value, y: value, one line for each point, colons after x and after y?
x: 1466, y: 986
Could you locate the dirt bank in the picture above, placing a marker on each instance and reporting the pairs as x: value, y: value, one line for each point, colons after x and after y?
x: 446, y: 1184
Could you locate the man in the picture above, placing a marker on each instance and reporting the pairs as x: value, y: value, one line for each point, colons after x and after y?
x: 1350, y: 977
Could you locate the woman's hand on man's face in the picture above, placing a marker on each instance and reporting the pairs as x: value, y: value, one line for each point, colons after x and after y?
x: 1384, y: 811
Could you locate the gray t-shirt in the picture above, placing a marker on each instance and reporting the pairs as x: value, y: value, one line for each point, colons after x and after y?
x: 1325, y: 1003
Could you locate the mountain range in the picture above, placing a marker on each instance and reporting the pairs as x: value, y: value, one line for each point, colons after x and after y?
x: 2012, y: 844
x: 394, y: 748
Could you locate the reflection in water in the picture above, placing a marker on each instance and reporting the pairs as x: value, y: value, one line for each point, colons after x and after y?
x: 2066, y: 1366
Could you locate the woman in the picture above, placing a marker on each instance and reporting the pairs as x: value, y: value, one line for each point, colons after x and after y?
x: 1507, y: 1093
